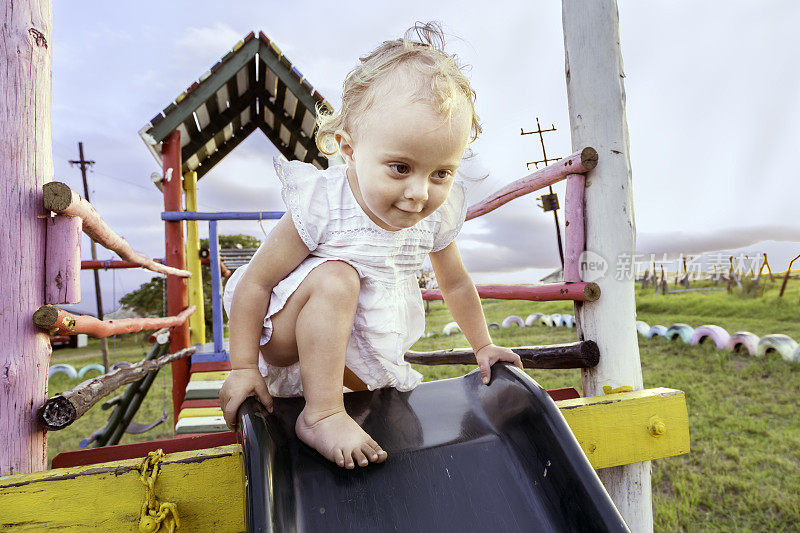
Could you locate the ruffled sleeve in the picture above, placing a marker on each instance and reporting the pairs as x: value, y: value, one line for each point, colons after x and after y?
x: 305, y: 193
x: 453, y: 211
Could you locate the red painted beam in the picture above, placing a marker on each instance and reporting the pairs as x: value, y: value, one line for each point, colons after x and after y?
x: 578, y: 292
x: 136, y: 450
x: 175, y: 256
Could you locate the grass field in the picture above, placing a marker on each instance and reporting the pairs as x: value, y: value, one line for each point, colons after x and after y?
x: 742, y: 473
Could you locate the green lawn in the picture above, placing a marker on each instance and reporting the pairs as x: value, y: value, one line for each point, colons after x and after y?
x: 742, y: 473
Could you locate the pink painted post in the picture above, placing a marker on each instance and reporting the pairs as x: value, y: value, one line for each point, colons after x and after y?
x: 578, y: 292
x: 575, y: 237
x: 26, y: 164
x: 62, y: 277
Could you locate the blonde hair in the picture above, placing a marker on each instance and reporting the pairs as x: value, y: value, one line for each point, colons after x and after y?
x: 433, y: 76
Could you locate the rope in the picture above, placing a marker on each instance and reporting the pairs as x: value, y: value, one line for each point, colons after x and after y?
x: 153, y: 512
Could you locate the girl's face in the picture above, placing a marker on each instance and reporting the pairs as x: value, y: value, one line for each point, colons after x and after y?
x: 402, y: 160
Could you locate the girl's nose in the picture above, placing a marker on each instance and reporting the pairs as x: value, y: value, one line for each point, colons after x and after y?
x: 417, y: 189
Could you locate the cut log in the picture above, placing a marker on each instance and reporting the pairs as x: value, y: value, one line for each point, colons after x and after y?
x: 63, y: 409
x: 59, y: 198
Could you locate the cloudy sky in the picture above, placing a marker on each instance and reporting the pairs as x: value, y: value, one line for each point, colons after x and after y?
x: 713, y: 110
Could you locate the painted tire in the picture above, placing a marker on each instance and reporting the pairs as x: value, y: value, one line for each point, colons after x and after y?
x: 91, y: 367
x: 568, y: 321
x: 545, y: 320
x: 746, y: 340
x: 513, y: 319
x: 494, y: 325
x: 450, y: 328
x: 715, y: 333
x: 796, y: 354
x: 643, y: 328
x: 657, y: 331
x: 431, y: 334
x: 555, y: 320
x: 532, y: 319
x: 682, y: 331
x: 783, y: 344
x: 69, y: 370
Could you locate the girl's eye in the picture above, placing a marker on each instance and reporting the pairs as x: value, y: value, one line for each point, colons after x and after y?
x: 400, y: 168
x: 443, y: 175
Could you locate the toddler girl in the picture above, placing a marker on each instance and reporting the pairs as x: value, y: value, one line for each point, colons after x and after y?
x: 330, y: 299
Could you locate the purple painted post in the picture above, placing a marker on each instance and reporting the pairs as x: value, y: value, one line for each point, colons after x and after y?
x: 575, y: 237
x: 26, y: 164
x: 62, y: 276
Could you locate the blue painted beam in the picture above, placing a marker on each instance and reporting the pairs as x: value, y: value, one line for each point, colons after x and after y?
x: 175, y: 216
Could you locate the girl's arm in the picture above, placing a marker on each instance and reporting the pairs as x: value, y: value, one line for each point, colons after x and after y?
x: 276, y: 258
x: 461, y: 298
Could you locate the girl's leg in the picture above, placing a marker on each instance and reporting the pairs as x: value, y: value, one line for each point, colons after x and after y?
x: 315, y: 326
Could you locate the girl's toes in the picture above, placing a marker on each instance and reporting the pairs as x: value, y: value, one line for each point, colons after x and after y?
x: 338, y: 457
x: 370, y: 452
x: 378, y: 450
x: 360, y: 458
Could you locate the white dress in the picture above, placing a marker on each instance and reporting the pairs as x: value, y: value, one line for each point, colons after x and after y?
x: 390, y: 316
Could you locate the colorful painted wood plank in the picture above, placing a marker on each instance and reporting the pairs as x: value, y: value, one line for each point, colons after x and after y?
x: 210, y: 376
x: 200, y: 411
x: 105, y: 454
x: 202, y: 402
x: 203, y: 389
x: 213, y: 366
x: 201, y: 424
x: 206, y: 485
x: 629, y: 427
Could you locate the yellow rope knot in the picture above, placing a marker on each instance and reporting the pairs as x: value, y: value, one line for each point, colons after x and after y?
x: 154, y: 512
x: 607, y: 389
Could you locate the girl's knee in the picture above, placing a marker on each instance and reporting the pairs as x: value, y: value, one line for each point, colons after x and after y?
x: 336, y: 279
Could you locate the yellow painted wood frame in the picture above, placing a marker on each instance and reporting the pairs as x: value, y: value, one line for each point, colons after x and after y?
x: 197, y: 322
x: 207, y: 486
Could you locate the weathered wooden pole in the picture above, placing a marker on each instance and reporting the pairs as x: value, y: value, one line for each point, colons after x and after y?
x: 177, y: 291
x: 26, y: 164
x: 596, y: 96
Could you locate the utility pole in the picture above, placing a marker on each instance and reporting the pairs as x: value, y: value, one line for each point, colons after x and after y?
x: 549, y: 201
x: 84, y: 165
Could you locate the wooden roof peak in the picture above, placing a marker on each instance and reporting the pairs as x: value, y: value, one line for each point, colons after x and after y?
x: 254, y: 86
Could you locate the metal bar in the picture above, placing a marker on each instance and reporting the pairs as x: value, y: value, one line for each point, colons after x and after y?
x: 176, y: 216
x: 216, y: 285
x: 579, y: 292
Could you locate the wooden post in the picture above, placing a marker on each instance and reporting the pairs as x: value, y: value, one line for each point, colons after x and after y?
x: 596, y: 96
x: 197, y: 322
x: 26, y: 164
x: 62, y: 260
x: 177, y: 292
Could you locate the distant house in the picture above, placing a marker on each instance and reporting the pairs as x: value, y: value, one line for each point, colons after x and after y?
x: 555, y: 276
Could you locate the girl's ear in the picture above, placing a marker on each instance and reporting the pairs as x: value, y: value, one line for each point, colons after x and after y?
x: 345, y: 143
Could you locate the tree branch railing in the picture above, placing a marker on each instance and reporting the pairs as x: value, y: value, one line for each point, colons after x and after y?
x: 59, y: 198
x: 581, y: 354
x: 59, y: 322
x: 64, y: 408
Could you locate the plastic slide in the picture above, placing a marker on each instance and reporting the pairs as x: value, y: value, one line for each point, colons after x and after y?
x: 463, y: 456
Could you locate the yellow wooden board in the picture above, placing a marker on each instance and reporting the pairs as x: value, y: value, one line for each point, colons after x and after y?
x: 210, y: 376
x: 199, y: 411
x: 629, y: 427
x: 207, y: 486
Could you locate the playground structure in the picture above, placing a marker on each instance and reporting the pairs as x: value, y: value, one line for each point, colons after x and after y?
x: 262, y: 90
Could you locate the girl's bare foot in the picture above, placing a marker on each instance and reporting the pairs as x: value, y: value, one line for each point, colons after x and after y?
x: 338, y: 438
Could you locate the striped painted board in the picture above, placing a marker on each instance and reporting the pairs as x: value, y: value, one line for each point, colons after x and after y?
x: 203, y: 389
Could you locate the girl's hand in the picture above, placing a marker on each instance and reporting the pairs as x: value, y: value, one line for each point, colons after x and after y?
x: 240, y: 384
x: 490, y: 354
